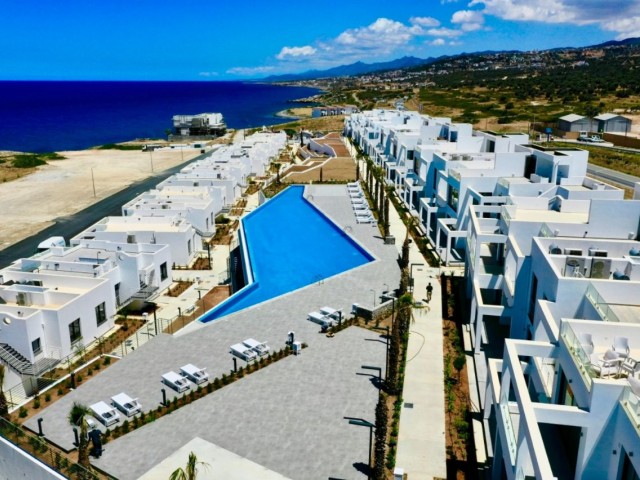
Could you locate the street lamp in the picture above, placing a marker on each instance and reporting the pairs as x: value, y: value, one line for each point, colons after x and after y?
x: 377, y: 369
x: 386, y: 288
x: 363, y: 423
x: 374, y: 297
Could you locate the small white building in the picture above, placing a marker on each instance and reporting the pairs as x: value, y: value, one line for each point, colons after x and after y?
x: 182, y: 239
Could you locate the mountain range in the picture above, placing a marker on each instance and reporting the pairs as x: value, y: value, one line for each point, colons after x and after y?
x: 360, y: 68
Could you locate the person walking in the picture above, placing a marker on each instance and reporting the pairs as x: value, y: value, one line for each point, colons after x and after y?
x: 429, y: 292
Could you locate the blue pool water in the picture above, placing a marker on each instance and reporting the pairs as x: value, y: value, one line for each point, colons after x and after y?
x: 290, y: 245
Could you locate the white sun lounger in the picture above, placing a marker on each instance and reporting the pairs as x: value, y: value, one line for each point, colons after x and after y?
x: 127, y: 405
x: 195, y: 374
x: 361, y: 207
x: 261, y: 348
x: 104, y: 413
x: 320, y: 319
x: 175, y: 381
x: 363, y: 213
x: 365, y: 219
x: 330, y: 312
x: 353, y: 184
x: 245, y: 353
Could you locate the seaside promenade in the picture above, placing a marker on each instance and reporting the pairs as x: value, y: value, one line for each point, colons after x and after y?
x: 421, y: 441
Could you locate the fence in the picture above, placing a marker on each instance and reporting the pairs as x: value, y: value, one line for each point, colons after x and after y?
x: 39, y: 448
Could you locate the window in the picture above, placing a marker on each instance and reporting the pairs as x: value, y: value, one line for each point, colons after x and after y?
x: 74, y: 331
x: 163, y: 271
x: 101, y: 314
x: 36, y: 346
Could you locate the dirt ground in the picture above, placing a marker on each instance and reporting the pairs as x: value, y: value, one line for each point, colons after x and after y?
x: 341, y: 169
x: 63, y: 187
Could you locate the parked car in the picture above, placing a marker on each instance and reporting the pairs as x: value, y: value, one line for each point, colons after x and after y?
x: 596, y: 139
x: 584, y: 138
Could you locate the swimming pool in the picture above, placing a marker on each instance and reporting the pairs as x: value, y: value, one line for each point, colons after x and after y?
x: 288, y: 244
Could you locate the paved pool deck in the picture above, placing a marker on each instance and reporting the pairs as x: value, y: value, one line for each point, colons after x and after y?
x: 288, y: 417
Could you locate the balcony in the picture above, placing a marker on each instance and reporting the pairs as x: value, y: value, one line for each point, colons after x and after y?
x: 631, y: 404
x: 579, y: 354
x: 602, y: 307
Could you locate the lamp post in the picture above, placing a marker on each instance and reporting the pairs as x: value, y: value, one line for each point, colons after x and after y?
x: 363, y: 423
x: 374, y: 297
x: 377, y: 369
x: 151, y: 159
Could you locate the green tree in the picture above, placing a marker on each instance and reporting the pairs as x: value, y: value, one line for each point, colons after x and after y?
x: 4, y: 406
x: 382, y: 419
x: 76, y: 418
x: 386, y: 216
x: 190, y: 471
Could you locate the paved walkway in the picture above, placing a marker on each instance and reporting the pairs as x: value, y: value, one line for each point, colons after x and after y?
x: 421, y: 441
x: 289, y: 417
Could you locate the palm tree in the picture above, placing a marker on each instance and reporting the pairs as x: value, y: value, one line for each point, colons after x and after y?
x: 76, y: 419
x: 190, y: 472
x: 4, y: 407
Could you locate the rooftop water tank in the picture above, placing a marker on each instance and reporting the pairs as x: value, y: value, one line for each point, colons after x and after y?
x: 618, y: 275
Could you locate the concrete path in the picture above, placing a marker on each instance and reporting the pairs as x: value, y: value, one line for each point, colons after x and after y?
x: 421, y: 441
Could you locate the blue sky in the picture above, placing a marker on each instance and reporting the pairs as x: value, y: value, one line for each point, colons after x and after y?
x: 223, y: 40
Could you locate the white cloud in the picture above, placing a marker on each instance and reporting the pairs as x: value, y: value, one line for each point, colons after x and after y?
x: 383, y: 35
x: 293, y: 52
x: 437, y: 42
x: 454, y: 43
x: 425, y: 21
x: 469, y: 20
x: 208, y: 74
x: 621, y: 16
x: 250, y: 71
x: 467, y: 16
x: 444, y: 32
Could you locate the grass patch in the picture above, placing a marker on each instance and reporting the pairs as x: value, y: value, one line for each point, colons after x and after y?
x: 27, y: 161
x: 118, y: 146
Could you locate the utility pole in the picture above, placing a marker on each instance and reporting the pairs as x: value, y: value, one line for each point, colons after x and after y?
x: 93, y: 182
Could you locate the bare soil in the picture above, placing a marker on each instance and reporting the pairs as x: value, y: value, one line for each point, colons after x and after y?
x: 339, y: 169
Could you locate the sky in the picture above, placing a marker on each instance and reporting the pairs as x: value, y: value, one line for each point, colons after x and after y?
x: 225, y: 40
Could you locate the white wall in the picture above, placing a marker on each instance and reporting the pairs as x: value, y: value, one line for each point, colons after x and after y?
x: 16, y: 464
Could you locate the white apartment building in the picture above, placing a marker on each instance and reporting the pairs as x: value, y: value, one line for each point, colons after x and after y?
x: 565, y: 404
x: 553, y: 265
x: 44, y: 316
x: 198, y: 205
x: 175, y: 232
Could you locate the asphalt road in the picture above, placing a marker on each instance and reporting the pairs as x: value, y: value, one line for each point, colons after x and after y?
x: 612, y: 175
x: 71, y: 225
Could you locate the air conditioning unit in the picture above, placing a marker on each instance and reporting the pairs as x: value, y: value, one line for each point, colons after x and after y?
x: 573, y: 251
x: 600, y: 268
x: 596, y: 252
x: 576, y: 267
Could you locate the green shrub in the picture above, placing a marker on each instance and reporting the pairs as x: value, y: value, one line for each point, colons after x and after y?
x: 107, y: 361
x: 60, y: 392
x: 27, y: 161
x: 47, y: 397
x: 22, y: 413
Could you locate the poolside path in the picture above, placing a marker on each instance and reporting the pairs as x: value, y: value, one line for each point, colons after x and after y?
x: 421, y: 440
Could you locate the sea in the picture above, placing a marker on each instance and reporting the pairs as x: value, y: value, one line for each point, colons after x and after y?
x: 43, y: 116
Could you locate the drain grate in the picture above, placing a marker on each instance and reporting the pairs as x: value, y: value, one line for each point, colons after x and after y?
x: 408, y: 405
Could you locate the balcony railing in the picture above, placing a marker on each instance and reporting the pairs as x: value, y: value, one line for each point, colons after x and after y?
x: 579, y: 355
x: 631, y: 404
x: 600, y: 305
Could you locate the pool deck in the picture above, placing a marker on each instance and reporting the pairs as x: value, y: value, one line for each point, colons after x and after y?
x: 288, y: 417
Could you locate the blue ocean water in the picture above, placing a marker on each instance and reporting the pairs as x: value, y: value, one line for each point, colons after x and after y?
x: 54, y: 116
x: 274, y: 233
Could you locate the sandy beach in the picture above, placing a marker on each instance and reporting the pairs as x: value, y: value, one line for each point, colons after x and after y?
x: 63, y: 187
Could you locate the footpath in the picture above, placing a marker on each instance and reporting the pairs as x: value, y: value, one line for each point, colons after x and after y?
x: 421, y: 449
